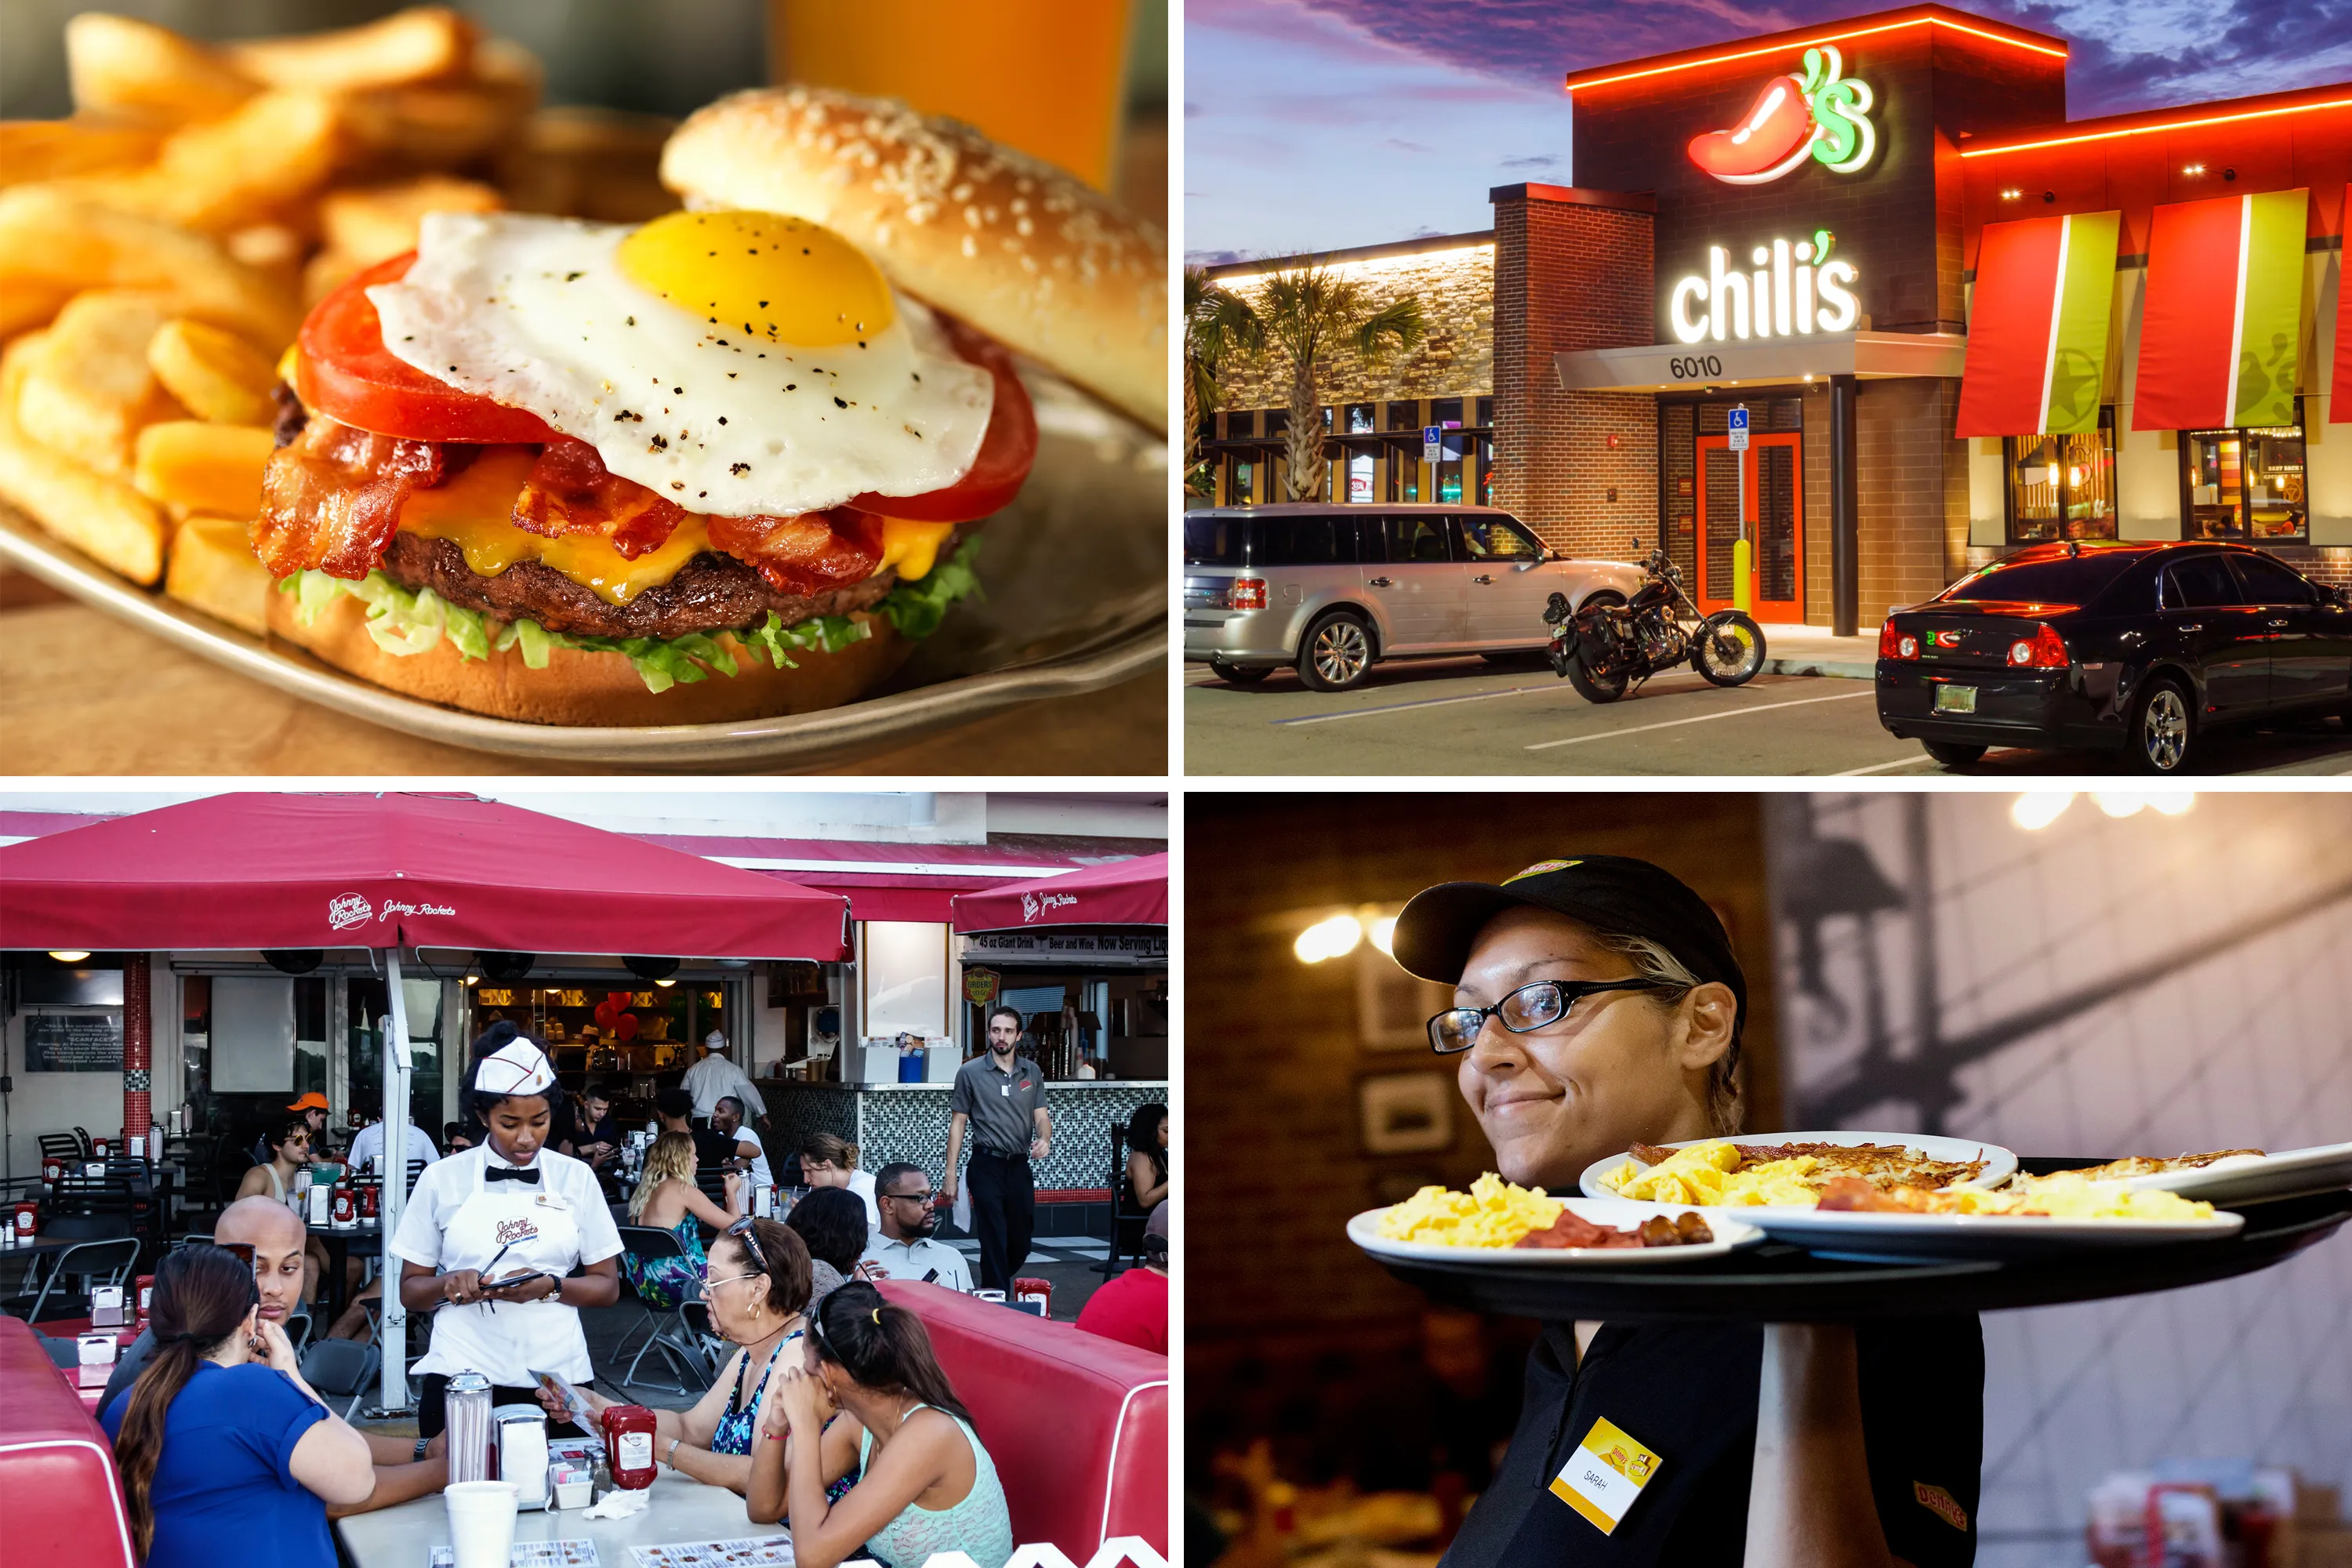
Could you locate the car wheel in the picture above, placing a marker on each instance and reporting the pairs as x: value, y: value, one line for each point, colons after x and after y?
x: 1590, y: 689
x: 1953, y: 753
x: 1337, y: 652
x: 1239, y: 674
x: 2163, y: 730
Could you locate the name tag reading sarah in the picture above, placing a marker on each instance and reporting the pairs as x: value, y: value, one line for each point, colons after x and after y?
x: 1604, y: 1476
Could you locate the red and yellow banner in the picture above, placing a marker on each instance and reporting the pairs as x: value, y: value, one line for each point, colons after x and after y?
x: 2221, y: 335
x: 2340, y: 400
x: 2038, y: 326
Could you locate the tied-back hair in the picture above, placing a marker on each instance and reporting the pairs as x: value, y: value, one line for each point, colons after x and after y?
x: 671, y: 1158
x: 883, y: 1347
x: 830, y: 1149
x: 1725, y: 1110
x: 1143, y: 1135
x: 831, y: 1221
x: 202, y: 1295
x: 783, y: 1258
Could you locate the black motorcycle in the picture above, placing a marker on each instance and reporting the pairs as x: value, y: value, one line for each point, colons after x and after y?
x: 1609, y: 646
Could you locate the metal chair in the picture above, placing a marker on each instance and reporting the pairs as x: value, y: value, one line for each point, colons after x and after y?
x: 342, y: 1368
x: 62, y: 1146
x: 90, y: 1263
x: 671, y: 1334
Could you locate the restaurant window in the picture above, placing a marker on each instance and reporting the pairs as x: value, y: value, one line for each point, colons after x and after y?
x: 2244, y: 484
x: 1241, y: 482
x: 195, y: 1049
x: 1486, y: 420
x: 1359, y: 418
x: 1277, y: 420
x: 1445, y: 411
x: 1242, y: 422
x: 1359, y: 467
x: 904, y: 974
x: 1486, y: 470
x: 369, y: 1005
x: 1449, y: 481
x: 1404, y: 415
x: 1405, y: 472
x: 2062, y: 487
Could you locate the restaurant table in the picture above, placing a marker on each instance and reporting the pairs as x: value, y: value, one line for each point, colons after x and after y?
x: 1779, y: 1283
x: 682, y: 1510
x: 339, y: 1240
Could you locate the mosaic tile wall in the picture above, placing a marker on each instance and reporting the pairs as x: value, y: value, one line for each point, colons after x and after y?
x: 890, y: 1122
x: 2150, y: 985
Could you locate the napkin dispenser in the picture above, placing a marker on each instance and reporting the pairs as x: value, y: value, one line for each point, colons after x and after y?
x: 107, y: 1308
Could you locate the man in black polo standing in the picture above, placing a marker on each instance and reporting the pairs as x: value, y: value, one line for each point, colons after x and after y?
x: 1001, y: 1094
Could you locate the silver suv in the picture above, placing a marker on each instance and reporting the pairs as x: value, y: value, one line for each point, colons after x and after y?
x: 1334, y: 590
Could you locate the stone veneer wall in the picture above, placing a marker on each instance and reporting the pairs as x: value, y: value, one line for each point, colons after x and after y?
x: 1455, y: 359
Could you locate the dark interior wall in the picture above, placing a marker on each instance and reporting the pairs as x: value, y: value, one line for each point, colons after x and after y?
x: 1272, y: 1147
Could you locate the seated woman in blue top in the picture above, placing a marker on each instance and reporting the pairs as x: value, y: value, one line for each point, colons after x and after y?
x: 927, y: 1484
x: 668, y: 1199
x: 212, y: 1444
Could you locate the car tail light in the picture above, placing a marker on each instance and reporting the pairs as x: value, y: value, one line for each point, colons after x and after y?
x: 1247, y: 594
x: 2045, y: 649
x: 1893, y: 644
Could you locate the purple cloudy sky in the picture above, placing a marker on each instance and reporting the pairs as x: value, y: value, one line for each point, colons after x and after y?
x: 1313, y: 124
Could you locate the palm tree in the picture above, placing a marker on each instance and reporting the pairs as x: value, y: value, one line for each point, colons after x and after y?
x: 1308, y: 311
x: 1217, y: 323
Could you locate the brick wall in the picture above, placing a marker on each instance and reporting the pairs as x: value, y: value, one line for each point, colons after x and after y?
x: 1573, y: 270
x: 1272, y: 1048
x: 1913, y: 509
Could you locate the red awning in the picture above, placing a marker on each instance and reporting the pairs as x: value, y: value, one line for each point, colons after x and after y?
x: 242, y: 871
x: 1125, y: 892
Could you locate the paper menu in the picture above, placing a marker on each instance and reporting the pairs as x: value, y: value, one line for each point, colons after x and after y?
x: 530, y: 1554
x: 762, y: 1551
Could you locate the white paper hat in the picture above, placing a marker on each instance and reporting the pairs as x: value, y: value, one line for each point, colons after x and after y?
x: 714, y: 1040
x: 518, y: 1067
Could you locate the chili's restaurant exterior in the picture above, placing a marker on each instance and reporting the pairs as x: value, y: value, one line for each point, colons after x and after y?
x: 1958, y: 323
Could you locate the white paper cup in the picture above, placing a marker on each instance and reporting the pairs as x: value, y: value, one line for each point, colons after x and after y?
x: 481, y: 1523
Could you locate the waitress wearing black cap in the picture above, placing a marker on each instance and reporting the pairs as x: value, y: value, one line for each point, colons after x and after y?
x: 1598, y: 1005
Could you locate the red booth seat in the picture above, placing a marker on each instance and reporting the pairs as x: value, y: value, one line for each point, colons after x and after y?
x: 57, y: 1470
x: 1077, y: 1424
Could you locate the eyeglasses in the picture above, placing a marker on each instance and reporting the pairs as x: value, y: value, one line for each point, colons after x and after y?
x: 709, y: 1284
x: 1529, y: 1008
x: 741, y: 1231
x: 921, y: 1197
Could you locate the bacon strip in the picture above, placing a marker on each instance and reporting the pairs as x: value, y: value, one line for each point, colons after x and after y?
x: 331, y: 500
x: 570, y: 491
x: 807, y: 554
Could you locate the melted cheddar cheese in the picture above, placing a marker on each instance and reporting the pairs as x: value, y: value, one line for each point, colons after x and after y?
x: 476, y: 510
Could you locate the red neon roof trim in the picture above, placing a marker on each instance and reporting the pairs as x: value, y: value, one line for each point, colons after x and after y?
x: 1797, y: 39
x: 2168, y: 120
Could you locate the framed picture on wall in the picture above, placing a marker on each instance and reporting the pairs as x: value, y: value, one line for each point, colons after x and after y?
x: 1406, y: 1113
x: 1393, y: 1008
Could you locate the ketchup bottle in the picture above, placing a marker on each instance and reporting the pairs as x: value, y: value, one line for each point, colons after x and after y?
x: 629, y: 1445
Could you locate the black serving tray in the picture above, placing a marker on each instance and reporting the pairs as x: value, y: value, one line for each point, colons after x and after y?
x: 1779, y: 1283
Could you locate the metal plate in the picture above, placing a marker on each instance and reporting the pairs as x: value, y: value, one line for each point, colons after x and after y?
x: 1956, y: 699
x: 1074, y: 574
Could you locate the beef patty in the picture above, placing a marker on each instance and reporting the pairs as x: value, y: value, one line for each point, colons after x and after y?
x: 711, y: 593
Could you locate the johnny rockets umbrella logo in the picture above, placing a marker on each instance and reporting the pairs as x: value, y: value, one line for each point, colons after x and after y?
x: 1822, y: 114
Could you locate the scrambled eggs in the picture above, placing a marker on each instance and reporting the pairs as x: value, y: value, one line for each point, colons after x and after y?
x: 2066, y: 1196
x: 1708, y: 1174
x: 1493, y: 1212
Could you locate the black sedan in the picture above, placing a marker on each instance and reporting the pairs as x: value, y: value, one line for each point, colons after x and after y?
x: 2140, y: 646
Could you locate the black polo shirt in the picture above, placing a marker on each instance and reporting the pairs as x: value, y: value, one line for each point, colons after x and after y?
x: 1687, y: 1393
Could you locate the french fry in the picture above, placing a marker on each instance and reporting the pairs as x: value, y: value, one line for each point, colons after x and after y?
x: 52, y: 149
x: 214, y: 373
x: 50, y: 240
x: 103, y: 518
x: 276, y: 147
x: 434, y: 124
x: 215, y: 570
x: 375, y: 222
x: 202, y: 467
x: 149, y: 74
x: 420, y: 44
x: 24, y: 306
x: 90, y: 390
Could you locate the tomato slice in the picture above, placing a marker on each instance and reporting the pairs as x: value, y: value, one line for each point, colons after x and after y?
x: 345, y: 372
x: 1006, y: 451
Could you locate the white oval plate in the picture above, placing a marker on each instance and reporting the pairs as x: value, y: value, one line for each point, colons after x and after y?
x: 1730, y: 1234
x: 2256, y: 1178
x: 2000, y: 1165
x: 1879, y: 1238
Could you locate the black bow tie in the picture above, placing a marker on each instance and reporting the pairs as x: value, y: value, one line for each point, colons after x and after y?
x: 499, y: 1174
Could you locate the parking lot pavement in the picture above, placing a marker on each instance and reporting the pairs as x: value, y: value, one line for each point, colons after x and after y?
x: 1468, y: 716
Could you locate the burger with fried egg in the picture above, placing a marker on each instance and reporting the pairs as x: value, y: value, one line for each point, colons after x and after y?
x: 726, y: 464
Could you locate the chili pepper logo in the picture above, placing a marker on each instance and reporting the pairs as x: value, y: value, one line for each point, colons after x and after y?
x: 1822, y: 114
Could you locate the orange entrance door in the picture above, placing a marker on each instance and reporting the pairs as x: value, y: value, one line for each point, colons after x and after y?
x: 1776, y: 523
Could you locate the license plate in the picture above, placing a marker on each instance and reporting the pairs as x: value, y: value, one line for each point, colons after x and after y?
x: 1956, y: 699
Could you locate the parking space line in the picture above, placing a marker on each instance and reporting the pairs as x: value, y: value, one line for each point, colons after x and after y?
x: 1400, y: 707
x: 1701, y: 719
x: 1879, y: 767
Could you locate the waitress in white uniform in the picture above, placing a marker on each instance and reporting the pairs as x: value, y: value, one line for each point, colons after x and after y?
x: 509, y: 1209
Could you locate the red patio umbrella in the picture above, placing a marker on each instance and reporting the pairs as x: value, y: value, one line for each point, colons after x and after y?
x: 1124, y: 892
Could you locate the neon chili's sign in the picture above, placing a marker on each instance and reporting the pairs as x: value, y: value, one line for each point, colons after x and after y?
x: 1793, y: 289
x: 1822, y: 115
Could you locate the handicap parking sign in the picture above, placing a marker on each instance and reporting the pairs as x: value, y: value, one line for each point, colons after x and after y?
x: 1738, y: 428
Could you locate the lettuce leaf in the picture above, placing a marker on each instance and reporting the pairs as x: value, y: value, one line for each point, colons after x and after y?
x: 405, y: 623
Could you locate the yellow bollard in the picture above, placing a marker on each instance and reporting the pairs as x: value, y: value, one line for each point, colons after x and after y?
x: 1743, y: 557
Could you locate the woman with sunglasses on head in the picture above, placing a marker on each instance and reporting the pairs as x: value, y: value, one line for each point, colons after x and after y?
x: 220, y: 1440
x: 926, y: 1485
x: 504, y: 1243
x: 1598, y: 1005
x: 668, y: 1199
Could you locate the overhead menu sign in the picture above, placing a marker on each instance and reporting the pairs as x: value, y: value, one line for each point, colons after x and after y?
x: 73, y: 1042
x: 1077, y: 947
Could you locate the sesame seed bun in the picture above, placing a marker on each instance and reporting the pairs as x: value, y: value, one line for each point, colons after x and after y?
x: 1029, y: 254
